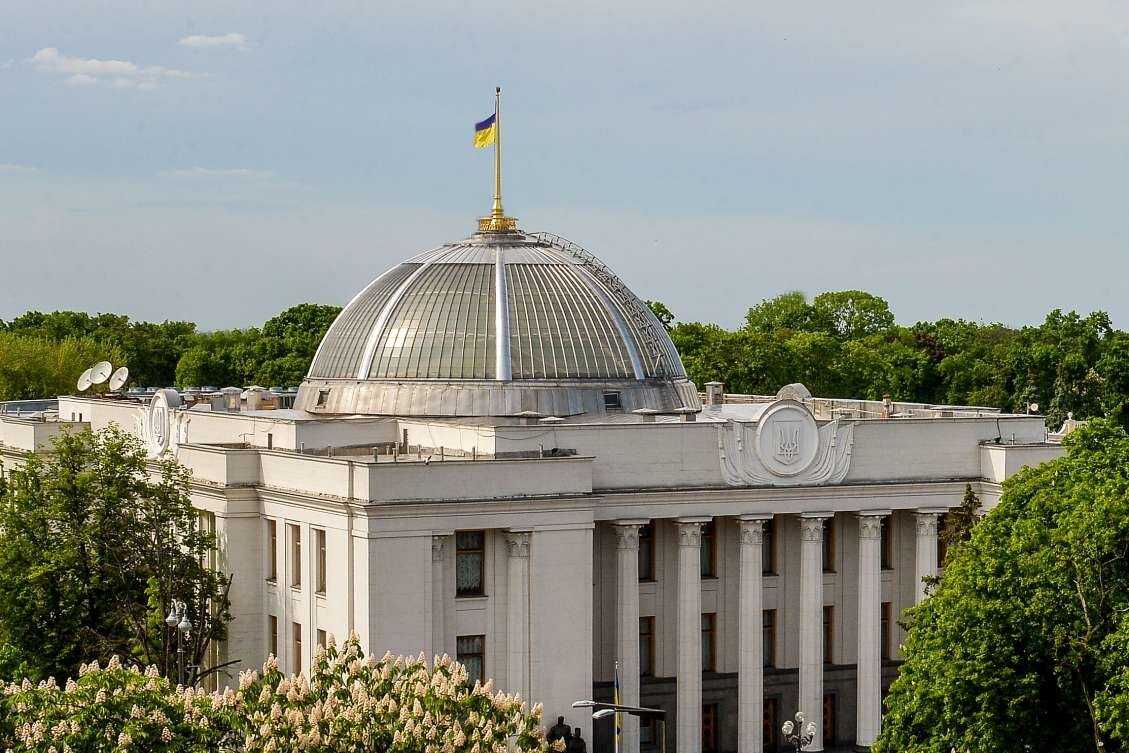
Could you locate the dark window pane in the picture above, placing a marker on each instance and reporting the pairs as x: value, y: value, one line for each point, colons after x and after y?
x: 647, y: 646
x: 471, y: 653
x: 769, y: 637
x: 708, y: 551
x: 768, y: 549
x: 469, y: 560
x: 886, y: 544
x: 709, y: 644
x: 829, y: 545
x: 647, y: 552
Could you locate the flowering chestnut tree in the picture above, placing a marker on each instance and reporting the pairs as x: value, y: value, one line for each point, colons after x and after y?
x: 352, y: 703
x: 349, y: 703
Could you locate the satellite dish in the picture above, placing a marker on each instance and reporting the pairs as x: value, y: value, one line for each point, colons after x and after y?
x: 118, y: 380
x: 1034, y: 408
x: 100, y: 372
x: 84, y: 381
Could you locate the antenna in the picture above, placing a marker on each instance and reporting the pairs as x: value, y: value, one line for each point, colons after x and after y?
x: 100, y: 372
x: 84, y: 381
x: 119, y: 378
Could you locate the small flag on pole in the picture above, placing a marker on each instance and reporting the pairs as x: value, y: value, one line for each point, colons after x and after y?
x: 486, y: 132
x: 618, y: 718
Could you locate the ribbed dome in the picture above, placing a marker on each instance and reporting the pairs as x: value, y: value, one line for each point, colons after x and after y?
x: 504, y: 307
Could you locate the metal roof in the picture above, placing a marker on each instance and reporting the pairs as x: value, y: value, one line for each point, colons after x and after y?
x: 497, y: 306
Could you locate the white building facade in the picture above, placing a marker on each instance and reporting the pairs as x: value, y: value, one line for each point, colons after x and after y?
x: 497, y: 456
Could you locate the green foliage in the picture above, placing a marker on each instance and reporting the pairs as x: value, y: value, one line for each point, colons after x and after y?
x: 150, y: 350
x: 662, y: 313
x: 93, y: 549
x: 846, y: 344
x: 112, y: 709
x: 36, y: 367
x: 1024, y: 644
x: 278, y: 354
x: 349, y: 703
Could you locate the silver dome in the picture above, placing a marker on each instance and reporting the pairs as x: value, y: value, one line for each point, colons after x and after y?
x: 533, y: 322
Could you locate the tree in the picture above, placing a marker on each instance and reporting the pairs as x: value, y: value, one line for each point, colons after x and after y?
x: 662, y: 313
x: 1024, y: 644
x: 349, y: 703
x: 36, y: 367
x: 94, y: 546
x: 789, y: 311
x: 851, y: 314
x: 959, y: 522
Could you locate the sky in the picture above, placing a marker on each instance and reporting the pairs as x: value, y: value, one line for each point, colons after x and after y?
x: 220, y: 161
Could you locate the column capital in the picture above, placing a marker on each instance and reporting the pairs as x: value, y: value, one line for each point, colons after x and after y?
x: 811, y: 527
x: 517, y: 543
x: 438, y: 547
x: 870, y: 526
x: 690, y: 531
x: 627, y: 533
x: 927, y: 523
x: 751, y: 530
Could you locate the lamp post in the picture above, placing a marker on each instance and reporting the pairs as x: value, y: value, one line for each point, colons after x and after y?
x: 178, y: 620
x: 601, y: 710
x: 799, y: 733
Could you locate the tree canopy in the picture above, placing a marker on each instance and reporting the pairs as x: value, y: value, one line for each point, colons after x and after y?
x: 1024, y: 642
x: 93, y: 551
x: 847, y: 344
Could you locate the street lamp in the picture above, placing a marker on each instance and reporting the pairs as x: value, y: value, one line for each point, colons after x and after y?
x: 799, y: 733
x: 178, y: 620
x: 601, y: 710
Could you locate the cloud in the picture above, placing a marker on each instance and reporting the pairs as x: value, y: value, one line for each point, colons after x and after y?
x: 231, y: 39
x: 121, y: 74
x: 10, y: 169
x: 239, y: 173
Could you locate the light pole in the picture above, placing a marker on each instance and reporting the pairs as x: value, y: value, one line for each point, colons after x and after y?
x: 799, y: 733
x: 601, y: 710
x: 178, y: 620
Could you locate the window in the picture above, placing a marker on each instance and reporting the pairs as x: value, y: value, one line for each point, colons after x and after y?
x: 942, y: 547
x: 297, y: 663
x: 647, y: 552
x: 771, y: 715
x: 613, y: 401
x: 829, y: 720
x: 708, y: 550
x: 887, y: 544
x: 768, y: 633
x: 470, y: 556
x: 321, y: 638
x: 828, y: 634
x: 295, y: 556
x: 323, y: 398
x: 709, y: 728
x: 829, y: 545
x: 272, y: 634
x: 272, y: 550
x: 709, y: 642
x: 768, y: 548
x: 319, y: 542
x: 884, y: 648
x: 470, y: 651
x: 647, y: 646
x: 648, y: 731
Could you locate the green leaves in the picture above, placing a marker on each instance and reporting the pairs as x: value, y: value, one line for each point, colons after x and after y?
x: 1025, y: 642
x: 92, y: 551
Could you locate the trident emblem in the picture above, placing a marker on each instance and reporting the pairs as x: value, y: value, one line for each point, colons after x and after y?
x: 788, y: 443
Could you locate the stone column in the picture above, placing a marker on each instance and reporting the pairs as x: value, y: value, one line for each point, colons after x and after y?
x: 517, y: 614
x: 438, y: 600
x: 688, y: 719
x: 750, y: 636
x: 811, y: 622
x: 627, y: 626
x: 869, y: 666
x: 926, y: 552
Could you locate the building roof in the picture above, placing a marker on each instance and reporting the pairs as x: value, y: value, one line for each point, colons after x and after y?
x: 439, y: 315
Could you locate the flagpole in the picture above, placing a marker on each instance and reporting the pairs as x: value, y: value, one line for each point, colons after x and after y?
x: 496, y: 211
x: 615, y: 729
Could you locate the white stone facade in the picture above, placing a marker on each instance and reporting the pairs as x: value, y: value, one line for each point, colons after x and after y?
x: 672, y: 547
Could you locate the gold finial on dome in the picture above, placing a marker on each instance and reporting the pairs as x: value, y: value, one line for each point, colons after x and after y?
x: 497, y: 221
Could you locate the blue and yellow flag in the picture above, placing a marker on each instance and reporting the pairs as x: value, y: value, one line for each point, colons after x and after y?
x: 618, y: 719
x: 486, y: 132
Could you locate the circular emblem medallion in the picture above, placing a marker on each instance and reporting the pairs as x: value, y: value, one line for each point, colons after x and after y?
x: 160, y: 420
x: 787, y: 438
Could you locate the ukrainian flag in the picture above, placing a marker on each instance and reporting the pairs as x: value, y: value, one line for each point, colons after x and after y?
x: 486, y: 132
